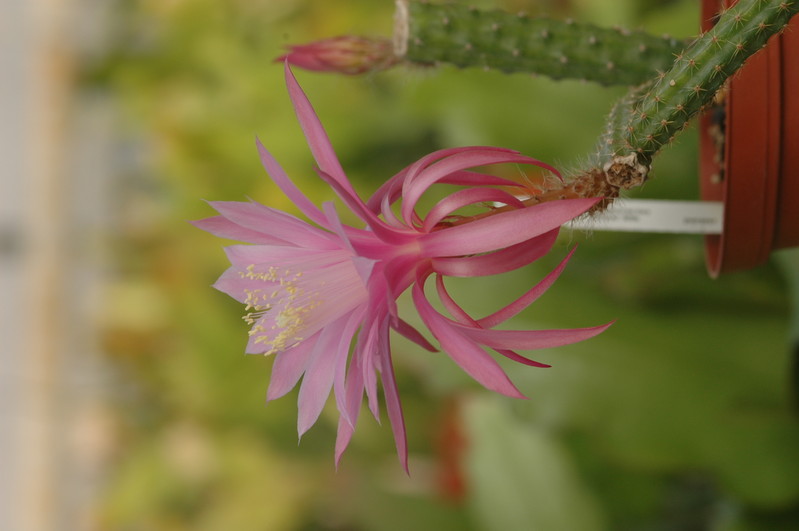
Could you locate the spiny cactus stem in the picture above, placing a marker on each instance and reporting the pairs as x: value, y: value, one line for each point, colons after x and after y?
x: 450, y: 33
x: 678, y: 94
x: 698, y: 73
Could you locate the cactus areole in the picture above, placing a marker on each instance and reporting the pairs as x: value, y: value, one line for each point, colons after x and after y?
x: 750, y: 155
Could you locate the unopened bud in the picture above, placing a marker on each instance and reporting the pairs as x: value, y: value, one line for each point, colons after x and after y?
x: 344, y: 54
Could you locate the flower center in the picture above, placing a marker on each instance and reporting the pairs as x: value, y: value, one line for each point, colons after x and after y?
x: 294, y: 304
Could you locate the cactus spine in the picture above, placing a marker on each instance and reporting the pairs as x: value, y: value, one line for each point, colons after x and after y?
x: 698, y: 73
x: 455, y: 34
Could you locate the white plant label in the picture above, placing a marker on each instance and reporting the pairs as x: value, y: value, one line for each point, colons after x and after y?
x: 653, y: 215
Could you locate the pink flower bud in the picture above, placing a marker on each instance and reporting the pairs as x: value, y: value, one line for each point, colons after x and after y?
x: 344, y: 54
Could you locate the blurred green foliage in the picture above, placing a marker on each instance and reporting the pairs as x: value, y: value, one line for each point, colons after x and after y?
x: 677, y: 418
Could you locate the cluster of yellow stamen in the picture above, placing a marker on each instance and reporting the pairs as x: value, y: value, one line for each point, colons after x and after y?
x: 287, y: 298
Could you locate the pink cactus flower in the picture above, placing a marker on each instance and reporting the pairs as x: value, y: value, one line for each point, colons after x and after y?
x: 312, y: 291
x: 345, y: 55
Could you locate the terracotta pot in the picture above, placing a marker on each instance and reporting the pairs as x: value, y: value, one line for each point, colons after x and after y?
x: 749, y: 155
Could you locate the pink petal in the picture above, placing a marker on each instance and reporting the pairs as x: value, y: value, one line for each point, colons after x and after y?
x: 315, y: 133
x: 471, y: 178
x: 454, y: 309
x: 503, y: 229
x: 392, y: 188
x: 349, y: 418
x: 282, y: 180
x: 530, y: 339
x: 366, y: 349
x: 224, y: 228
x: 277, y: 224
x: 277, y: 255
x: 464, y: 351
x: 393, y: 405
x: 339, y: 382
x: 382, y: 230
x: 409, y: 332
x: 333, y: 344
x: 464, y: 318
x: 415, y: 186
x: 527, y: 299
x: 501, y: 261
x: 462, y: 198
x: 288, y: 368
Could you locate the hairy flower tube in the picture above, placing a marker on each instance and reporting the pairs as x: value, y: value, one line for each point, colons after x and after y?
x: 321, y: 296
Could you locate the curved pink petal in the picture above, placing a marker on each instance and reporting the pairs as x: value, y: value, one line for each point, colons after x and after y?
x: 463, y: 350
x: 464, y: 318
x: 415, y: 186
x: 527, y: 299
x: 392, y: 188
x: 462, y: 198
x: 503, y: 229
x: 471, y: 178
x: 497, y: 262
x: 530, y: 339
x: 381, y: 229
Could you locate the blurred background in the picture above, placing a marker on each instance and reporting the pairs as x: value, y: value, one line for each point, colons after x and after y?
x: 127, y: 401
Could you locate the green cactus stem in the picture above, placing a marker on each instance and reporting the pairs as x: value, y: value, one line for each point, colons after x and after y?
x: 680, y: 93
x: 450, y: 33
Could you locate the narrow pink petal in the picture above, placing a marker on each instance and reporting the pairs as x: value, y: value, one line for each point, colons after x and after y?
x: 393, y: 404
x: 368, y: 353
x: 527, y: 299
x: 343, y: 437
x: 530, y: 339
x: 464, y: 351
x: 288, y: 368
x: 462, y: 198
x: 335, y: 224
x: 501, y: 261
x: 282, y: 180
x: 332, y: 344
x: 458, y: 313
x: 412, y: 334
x: 315, y: 133
x: 339, y: 381
x: 392, y: 189
x: 224, y: 228
x: 388, y: 213
x: 264, y: 219
x: 354, y: 398
x: 503, y: 229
